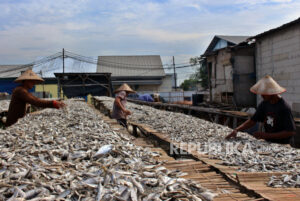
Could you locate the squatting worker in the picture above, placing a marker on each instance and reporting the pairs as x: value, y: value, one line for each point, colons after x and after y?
x: 119, y: 109
x: 273, y: 112
x: 21, y: 96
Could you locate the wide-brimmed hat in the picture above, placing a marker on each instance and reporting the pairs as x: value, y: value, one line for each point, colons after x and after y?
x: 29, y: 75
x: 267, y: 86
x: 124, y: 87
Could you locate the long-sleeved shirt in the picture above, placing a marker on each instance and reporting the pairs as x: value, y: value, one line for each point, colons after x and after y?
x: 17, y: 106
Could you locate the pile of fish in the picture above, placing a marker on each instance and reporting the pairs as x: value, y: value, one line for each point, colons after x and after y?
x: 288, y: 181
x: 246, y: 152
x: 72, y: 154
x: 4, y: 104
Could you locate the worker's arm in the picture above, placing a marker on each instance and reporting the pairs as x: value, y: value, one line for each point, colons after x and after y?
x: 278, y: 135
x: 247, y: 124
x: 29, y: 98
x: 119, y: 104
x: 257, y: 117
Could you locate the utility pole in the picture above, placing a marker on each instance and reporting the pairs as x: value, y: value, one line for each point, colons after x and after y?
x: 175, y: 79
x: 41, y: 72
x: 63, y: 55
x: 60, y: 86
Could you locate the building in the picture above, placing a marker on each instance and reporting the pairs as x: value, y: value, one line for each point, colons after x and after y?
x: 8, y: 73
x: 231, y: 70
x: 278, y: 54
x: 142, y: 73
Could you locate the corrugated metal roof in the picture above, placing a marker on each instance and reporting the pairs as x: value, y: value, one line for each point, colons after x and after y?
x: 7, y: 71
x: 146, y: 65
x: 297, y: 21
x: 234, y: 40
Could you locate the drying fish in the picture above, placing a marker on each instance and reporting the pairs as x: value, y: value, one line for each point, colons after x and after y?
x: 248, y: 153
x: 288, y: 181
x: 4, y: 105
x: 103, y: 150
x: 56, y: 155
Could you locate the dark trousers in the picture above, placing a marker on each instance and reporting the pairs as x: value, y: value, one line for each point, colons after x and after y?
x: 122, y: 122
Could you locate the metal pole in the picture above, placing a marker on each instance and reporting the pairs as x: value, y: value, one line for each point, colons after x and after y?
x: 63, y: 77
x: 43, y: 84
x: 174, y: 73
x: 63, y: 54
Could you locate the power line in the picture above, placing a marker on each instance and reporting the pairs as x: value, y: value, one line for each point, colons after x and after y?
x: 103, y: 63
x: 41, y: 61
x: 111, y: 62
x: 119, y: 65
x: 23, y: 68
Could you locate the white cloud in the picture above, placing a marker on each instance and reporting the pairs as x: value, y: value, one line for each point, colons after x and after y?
x: 91, y: 27
x: 166, y: 36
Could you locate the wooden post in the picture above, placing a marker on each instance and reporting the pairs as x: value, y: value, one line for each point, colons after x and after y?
x: 234, y: 122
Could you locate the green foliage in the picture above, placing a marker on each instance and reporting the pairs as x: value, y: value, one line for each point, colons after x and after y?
x: 201, y: 74
x: 189, y: 84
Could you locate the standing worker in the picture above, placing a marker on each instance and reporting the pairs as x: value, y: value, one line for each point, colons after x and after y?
x: 119, y: 110
x: 273, y: 111
x: 21, y: 96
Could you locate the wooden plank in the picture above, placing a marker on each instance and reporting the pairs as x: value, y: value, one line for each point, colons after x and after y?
x: 196, y: 170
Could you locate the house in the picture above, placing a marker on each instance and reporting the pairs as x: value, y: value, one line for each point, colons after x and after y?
x: 278, y: 55
x: 231, y: 71
x: 142, y: 73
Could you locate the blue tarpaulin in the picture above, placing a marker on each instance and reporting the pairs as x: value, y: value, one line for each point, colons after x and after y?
x: 146, y: 97
x: 8, y: 85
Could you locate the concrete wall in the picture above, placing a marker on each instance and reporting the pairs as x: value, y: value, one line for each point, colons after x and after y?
x: 167, y: 83
x: 153, y: 88
x: 244, y: 76
x: 278, y: 55
x: 50, y: 88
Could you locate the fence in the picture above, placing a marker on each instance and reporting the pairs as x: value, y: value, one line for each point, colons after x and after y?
x: 175, y: 96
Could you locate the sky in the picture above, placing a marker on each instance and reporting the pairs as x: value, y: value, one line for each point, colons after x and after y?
x: 31, y: 29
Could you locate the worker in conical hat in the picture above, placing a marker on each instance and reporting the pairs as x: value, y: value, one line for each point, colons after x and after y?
x: 273, y: 112
x: 21, y: 96
x: 119, y: 108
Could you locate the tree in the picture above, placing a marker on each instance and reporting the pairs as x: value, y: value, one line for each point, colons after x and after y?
x: 189, y: 84
x: 201, y: 74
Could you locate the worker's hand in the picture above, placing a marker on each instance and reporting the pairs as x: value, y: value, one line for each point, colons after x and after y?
x: 127, y: 112
x: 232, y: 134
x: 59, y: 104
x: 260, y: 135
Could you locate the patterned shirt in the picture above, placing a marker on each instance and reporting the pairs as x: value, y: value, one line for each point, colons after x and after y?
x: 117, y: 112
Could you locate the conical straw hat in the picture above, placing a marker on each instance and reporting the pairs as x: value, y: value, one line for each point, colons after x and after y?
x: 124, y: 87
x: 29, y: 75
x: 267, y: 86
